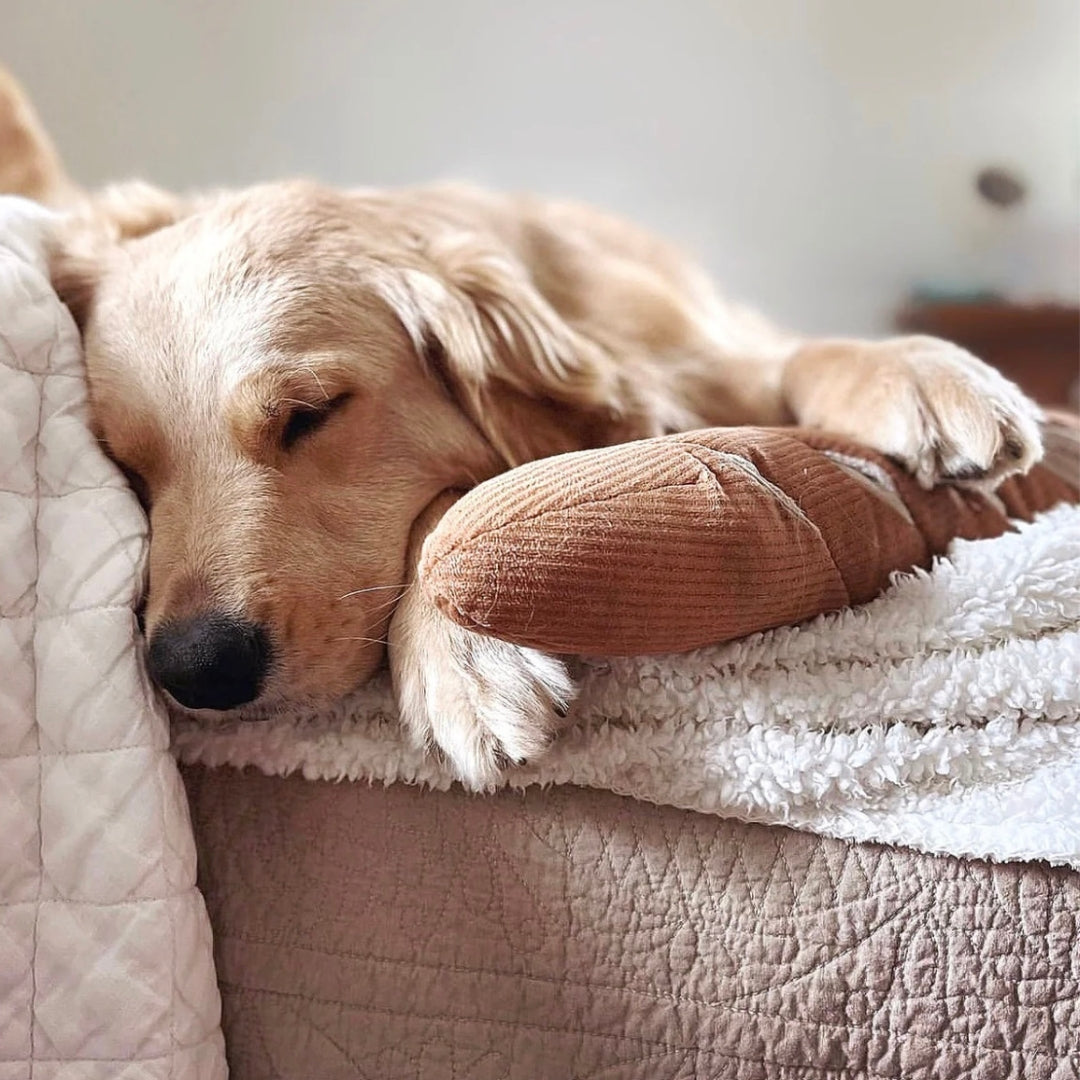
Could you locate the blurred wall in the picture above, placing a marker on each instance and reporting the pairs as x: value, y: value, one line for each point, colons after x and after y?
x: 817, y: 154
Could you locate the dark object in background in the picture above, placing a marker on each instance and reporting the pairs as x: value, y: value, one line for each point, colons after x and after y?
x: 1000, y: 187
x: 1035, y: 345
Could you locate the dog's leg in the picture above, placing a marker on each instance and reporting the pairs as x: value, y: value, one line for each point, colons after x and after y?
x: 931, y: 405
x: 484, y: 703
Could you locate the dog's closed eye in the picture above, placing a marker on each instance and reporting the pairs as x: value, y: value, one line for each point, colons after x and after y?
x: 306, y: 419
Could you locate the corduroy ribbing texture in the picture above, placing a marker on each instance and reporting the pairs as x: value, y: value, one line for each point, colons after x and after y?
x: 672, y: 543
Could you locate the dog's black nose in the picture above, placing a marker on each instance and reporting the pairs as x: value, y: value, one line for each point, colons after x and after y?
x: 212, y: 661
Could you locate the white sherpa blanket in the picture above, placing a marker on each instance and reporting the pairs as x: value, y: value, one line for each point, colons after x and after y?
x: 106, y: 966
x: 943, y: 716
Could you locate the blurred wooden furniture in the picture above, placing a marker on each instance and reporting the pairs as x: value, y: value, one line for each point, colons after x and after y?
x: 1037, y: 346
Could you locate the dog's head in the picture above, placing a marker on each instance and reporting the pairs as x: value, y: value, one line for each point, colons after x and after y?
x: 288, y: 376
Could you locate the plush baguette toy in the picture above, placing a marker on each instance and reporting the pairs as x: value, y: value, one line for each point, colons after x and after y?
x: 668, y: 544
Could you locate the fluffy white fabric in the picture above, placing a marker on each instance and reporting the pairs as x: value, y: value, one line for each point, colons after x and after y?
x: 943, y: 716
x: 106, y: 965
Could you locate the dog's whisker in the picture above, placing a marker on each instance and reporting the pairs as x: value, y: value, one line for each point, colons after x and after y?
x: 369, y: 640
x: 404, y: 586
x: 377, y: 614
x: 377, y: 620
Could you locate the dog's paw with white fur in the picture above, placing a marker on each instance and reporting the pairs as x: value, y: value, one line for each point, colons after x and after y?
x: 943, y: 413
x: 485, y: 704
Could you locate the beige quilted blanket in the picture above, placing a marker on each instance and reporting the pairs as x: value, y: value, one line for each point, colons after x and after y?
x: 405, y: 934
x: 105, y: 955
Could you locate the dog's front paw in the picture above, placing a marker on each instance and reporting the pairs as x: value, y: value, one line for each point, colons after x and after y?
x: 944, y: 414
x: 485, y: 704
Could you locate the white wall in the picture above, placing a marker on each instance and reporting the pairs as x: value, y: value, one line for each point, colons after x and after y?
x: 818, y: 155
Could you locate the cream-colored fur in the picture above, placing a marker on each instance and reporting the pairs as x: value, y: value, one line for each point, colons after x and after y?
x: 438, y: 335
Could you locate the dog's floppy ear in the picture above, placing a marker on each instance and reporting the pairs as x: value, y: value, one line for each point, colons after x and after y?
x: 29, y: 163
x: 529, y: 381
x: 87, y: 240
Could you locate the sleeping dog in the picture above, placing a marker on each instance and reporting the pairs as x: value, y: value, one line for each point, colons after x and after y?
x: 296, y: 380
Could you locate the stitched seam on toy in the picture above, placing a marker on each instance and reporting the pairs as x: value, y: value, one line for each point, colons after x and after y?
x: 781, y: 497
x: 883, y: 489
x: 748, y: 468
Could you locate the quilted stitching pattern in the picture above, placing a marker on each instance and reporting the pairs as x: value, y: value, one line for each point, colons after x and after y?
x: 105, y: 953
x: 403, y: 934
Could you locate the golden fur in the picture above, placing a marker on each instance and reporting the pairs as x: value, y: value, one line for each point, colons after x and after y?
x: 450, y: 333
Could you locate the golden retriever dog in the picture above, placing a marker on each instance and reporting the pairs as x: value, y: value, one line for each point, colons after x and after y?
x: 297, y: 379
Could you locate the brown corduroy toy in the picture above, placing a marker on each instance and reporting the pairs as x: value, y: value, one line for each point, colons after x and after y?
x: 672, y: 543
